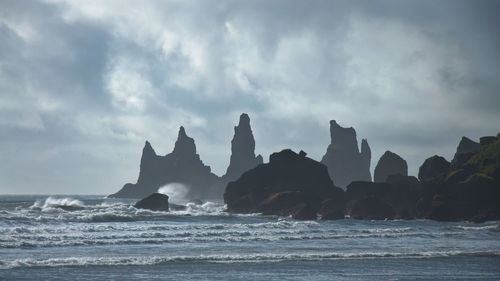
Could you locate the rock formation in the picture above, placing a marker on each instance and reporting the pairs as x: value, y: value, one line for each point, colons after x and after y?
x: 395, y: 198
x: 290, y: 184
x: 154, y: 202
x: 435, y: 166
x: 389, y: 164
x: 242, y: 150
x: 470, y: 190
x: 183, y: 165
x: 466, y: 148
x: 344, y: 161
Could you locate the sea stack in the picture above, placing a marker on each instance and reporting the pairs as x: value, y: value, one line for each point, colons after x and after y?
x: 290, y: 184
x: 183, y: 165
x: 344, y: 161
x: 390, y: 164
x: 242, y: 150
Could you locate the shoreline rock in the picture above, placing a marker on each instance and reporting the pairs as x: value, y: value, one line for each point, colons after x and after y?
x: 154, y: 202
x: 290, y: 184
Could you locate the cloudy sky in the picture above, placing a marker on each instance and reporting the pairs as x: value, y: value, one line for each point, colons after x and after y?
x: 84, y: 83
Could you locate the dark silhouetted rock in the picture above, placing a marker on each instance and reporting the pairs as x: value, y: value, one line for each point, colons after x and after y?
x: 283, y: 203
x: 389, y: 164
x: 371, y: 208
x: 434, y: 167
x: 471, y: 199
x: 344, y: 161
x: 333, y: 215
x: 401, y: 193
x: 466, y: 145
x: 487, y: 140
x: 471, y: 190
x: 305, y: 212
x: 154, y: 202
x: 286, y: 184
x: 465, y: 149
x: 183, y: 165
x: 242, y: 150
x: 332, y: 209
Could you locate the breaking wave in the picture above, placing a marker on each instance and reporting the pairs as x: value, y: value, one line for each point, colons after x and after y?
x: 63, y: 203
x: 249, y: 258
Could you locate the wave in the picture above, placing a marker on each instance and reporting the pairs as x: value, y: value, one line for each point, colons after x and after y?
x: 68, y: 204
x: 249, y: 258
x: 22, y: 237
x: 494, y: 227
x: 72, y: 210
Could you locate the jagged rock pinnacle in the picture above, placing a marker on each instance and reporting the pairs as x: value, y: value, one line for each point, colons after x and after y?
x: 242, y: 149
x: 344, y: 161
x: 184, y: 145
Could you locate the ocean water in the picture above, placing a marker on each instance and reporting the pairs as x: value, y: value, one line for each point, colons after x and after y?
x: 92, y: 238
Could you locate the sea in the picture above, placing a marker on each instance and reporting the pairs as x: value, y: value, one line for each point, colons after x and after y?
x: 95, y: 238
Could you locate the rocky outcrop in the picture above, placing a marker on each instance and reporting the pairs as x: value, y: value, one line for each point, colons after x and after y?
x: 154, y: 202
x: 290, y: 184
x: 432, y: 168
x: 332, y: 209
x: 242, y: 151
x: 371, y: 208
x: 470, y: 190
x: 389, y: 164
x: 465, y: 149
x: 183, y: 165
x: 344, y: 161
x: 396, y: 198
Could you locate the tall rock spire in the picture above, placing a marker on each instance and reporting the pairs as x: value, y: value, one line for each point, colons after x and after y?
x: 366, y: 158
x: 184, y: 144
x: 344, y: 161
x: 242, y: 150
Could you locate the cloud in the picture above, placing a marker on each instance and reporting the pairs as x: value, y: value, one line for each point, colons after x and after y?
x: 84, y: 84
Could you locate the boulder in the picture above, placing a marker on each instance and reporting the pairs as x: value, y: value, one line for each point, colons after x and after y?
x: 344, y: 160
x: 389, y: 164
x: 154, y: 202
x: 280, y: 187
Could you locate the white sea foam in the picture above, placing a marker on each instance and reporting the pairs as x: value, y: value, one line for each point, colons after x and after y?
x: 476, y: 228
x: 236, y: 258
x: 51, y: 203
x: 176, y: 191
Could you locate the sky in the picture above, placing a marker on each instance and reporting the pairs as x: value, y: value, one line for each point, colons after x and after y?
x: 83, y: 84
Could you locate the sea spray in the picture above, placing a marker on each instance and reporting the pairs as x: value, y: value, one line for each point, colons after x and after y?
x: 63, y: 203
x: 176, y: 191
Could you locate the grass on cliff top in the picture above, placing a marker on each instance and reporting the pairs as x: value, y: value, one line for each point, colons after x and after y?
x: 487, y: 160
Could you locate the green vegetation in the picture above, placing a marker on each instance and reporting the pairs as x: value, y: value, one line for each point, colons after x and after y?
x: 487, y: 160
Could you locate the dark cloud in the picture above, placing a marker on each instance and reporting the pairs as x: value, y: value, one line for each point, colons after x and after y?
x: 83, y: 84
